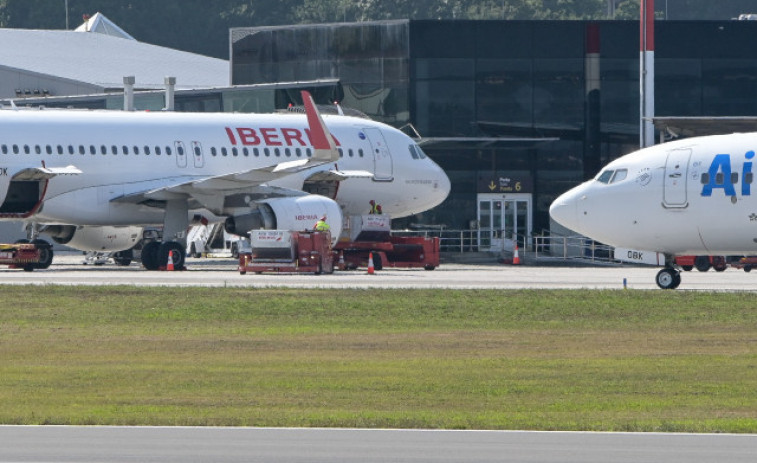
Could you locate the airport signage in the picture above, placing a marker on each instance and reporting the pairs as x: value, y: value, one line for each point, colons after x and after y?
x: 504, y: 182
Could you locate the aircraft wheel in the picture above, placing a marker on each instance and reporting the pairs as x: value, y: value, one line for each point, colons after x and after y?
x: 178, y: 255
x: 377, y: 263
x: 150, y: 255
x: 123, y: 258
x: 45, y: 254
x: 668, y: 278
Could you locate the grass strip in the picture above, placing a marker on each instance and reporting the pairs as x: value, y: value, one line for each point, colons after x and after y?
x: 453, y: 359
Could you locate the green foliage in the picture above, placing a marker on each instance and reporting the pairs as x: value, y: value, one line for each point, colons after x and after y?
x: 468, y: 359
x: 202, y: 27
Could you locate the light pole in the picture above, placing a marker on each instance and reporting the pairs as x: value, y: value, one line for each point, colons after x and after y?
x: 66, y: 14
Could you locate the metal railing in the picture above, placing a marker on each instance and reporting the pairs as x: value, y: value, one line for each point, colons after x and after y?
x: 576, y: 248
x: 449, y: 240
x: 543, y: 247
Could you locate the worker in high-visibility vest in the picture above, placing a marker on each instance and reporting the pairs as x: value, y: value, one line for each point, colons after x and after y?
x: 321, y: 225
x: 373, y: 207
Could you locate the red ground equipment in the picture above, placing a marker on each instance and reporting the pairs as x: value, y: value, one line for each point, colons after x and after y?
x: 702, y: 263
x: 27, y: 256
x: 284, y: 251
x: 371, y: 233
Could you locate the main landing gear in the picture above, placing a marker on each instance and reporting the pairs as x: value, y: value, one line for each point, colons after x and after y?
x: 175, y: 223
x: 155, y: 255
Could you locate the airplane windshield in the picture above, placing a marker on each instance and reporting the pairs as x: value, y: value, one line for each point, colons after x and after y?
x: 612, y: 176
x: 620, y: 175
x: 605, y: 176
x: 416, y: 152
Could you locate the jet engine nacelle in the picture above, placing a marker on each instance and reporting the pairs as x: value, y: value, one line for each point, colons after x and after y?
x: 296, y: 214
x: 99, y: 239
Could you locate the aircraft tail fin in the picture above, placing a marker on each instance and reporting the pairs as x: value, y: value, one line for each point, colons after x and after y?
x: 323, y: 143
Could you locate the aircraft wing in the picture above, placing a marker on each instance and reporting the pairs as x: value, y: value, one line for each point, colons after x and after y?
x: 338, y: 175
x: 44, y: 173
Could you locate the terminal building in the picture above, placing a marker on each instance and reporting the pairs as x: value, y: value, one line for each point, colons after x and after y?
x: 516, y: 112
x: 513, y: 110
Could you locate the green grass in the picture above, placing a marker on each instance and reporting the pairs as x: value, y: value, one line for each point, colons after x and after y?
x: 455, y: 359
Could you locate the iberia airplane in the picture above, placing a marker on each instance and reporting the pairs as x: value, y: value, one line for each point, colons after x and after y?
x: 90, y: 179
x: 687, y: 197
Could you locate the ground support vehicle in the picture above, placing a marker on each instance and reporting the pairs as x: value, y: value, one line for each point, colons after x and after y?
x: 284, y: 251
x: 746, y: 263
x: 28, y: 256
x: 702, y: 263
x: 398, y: 251
x: 371, y: 234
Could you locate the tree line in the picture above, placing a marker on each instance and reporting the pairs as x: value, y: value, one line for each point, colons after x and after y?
x: 201, y: 26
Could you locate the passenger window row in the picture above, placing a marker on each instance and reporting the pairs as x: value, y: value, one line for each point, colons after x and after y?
x: 91, y: 149
x: 277, y: 152
x: 720, y: 178
x: 158, y: 150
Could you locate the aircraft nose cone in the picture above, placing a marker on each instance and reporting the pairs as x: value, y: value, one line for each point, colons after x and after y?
x: 444, y: 184
x: 564, y: 210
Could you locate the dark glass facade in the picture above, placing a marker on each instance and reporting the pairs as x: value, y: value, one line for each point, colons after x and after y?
x: 481, y: 79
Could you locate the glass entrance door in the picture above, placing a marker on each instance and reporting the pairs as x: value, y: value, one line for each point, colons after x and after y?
x: 503, y: 219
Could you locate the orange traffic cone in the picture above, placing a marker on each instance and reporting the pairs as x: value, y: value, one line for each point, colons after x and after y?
x: 169, y: 265
x: 516, y: 257
x: 370, y: 263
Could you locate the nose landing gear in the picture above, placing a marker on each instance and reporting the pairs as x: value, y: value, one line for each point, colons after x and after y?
x: 668, y: 278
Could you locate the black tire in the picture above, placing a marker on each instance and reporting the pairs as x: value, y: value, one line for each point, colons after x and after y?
x: 747, y: 268
x: 234, y: 251
x: 668, y: 278
x: 429, y: 267
x: 123, y: 258
x: 178, y: 254
x: 45, y: 254
x: 150, y: 255
x: 687, y: 268
x: 377, y: 264
x: 702, y: 263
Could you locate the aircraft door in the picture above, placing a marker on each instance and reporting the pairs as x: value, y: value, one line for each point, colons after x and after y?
x: 382, y: 158
x: 181, y: 154
x: 197, y: 154
x: 676, y: 175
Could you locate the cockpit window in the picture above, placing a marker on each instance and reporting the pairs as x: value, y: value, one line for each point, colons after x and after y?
x: 619, y: 176
x: 413, y: 153
x: 612, y: 176
x: 416, y: 152
x: 605, y: 176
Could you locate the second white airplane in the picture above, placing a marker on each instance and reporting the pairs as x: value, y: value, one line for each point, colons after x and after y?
x: 80, y: 175
x: 687, y: 197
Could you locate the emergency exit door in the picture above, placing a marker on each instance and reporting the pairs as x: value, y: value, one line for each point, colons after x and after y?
x: 502, y: 219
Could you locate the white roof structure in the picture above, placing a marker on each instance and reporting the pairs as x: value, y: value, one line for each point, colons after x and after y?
x: 59, y: 62
x: 102, y: 25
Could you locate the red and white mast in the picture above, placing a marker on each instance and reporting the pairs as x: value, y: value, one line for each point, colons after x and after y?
x: 646, y: 74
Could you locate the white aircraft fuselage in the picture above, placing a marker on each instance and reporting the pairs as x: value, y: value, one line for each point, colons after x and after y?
x: 70, y: 171
x: 690, y: 197
x: 120, y: 153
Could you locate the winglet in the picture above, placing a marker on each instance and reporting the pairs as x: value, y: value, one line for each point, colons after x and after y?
x: 323, y: 142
